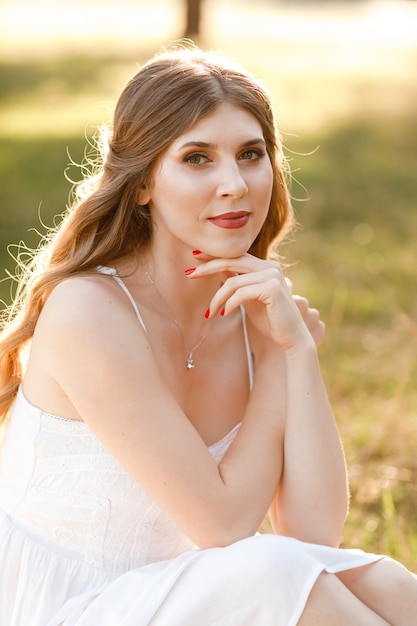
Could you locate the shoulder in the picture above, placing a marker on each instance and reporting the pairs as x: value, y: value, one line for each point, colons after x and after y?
x: 84, y: 294
x: 83, y: 289
x: 87, y: 331
x: 89, y: 305
x: 91, y: 316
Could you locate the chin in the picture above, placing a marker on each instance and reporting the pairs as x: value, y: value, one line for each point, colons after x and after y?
x: 232, y: 250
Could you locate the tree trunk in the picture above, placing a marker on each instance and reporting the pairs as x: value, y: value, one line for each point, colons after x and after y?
x: 192, y: 28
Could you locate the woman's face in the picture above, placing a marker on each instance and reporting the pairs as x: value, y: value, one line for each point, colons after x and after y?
x: 211, y: 188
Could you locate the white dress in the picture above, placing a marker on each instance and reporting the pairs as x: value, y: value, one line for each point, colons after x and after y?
x: 81, y: 544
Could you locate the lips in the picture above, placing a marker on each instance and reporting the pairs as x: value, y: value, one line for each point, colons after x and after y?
x: 234, y: 219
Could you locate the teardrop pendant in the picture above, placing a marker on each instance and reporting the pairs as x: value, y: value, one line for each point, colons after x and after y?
x: 189, y: 363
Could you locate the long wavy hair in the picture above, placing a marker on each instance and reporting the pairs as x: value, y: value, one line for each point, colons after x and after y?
x: 104, y: 222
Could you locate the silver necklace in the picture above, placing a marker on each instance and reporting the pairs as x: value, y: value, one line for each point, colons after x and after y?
x: 189, y: 363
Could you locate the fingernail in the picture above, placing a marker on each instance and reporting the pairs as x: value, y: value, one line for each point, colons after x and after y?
x: 222, y: 312
x: 195, y: 252
x: 189, y: 271
x: 207, y: 313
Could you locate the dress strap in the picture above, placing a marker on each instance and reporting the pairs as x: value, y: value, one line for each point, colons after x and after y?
x: 112, y: 272
x: 247, y: 345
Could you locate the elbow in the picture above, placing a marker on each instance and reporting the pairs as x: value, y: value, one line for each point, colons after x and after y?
x: 218, y: 541
x: 322, y: 529
x: 326, y: 536
x: 326, y: 530
x: 322, y: 534
x: 222, y: 533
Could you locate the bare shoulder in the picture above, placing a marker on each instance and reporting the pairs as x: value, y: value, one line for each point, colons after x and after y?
x: 83, y: 294
x: 90, y: 314
x: 88, y: 304
x: 86, y: 327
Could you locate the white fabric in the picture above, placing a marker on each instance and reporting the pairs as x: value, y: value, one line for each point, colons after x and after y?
x: 82, y: 544
x: 110, y: 271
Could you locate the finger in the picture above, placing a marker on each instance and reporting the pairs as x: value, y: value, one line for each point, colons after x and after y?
x: 201, y: 256
x: 302, y: 304
x: 253, y: 292
x: 240, y: 265
x: 318, y: 333
x: 289, y: 283
x: 314, y: 325
x: 268, y: 282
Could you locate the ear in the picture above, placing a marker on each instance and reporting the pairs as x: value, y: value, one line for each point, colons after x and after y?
x: 143, y: 195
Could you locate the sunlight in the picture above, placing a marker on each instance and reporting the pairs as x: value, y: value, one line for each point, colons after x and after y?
x: 321, y: 61
x: 357, y: 37
x: 42, y: 26
x: 352, y: 29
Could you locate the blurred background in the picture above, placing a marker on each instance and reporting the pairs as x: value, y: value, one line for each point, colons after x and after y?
x: 343, y: 77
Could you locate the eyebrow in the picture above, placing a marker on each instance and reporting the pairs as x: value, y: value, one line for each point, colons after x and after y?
x: 204, y: 144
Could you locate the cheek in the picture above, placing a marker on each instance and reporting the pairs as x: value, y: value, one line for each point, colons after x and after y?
x: 265, y: 187
x: 265, y: 178
x: 263, y: 200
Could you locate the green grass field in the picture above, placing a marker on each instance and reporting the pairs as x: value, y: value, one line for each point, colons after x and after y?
x: 351, y: 138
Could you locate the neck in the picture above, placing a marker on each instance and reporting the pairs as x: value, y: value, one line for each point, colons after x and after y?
x: 187, y: 298
x: 181, y: 303
x: 171, y: 301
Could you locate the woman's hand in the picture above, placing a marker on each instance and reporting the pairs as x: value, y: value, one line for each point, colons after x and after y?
x: 310, y: 316
x: 262, y: 288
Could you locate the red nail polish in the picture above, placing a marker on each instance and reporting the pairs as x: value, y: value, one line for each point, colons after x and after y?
x: 207, y: 313
x: 195, y: 252
x: 222, y: 312
x: 189, y: 271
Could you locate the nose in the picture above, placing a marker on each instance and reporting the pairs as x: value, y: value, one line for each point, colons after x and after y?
x: 232, y: 183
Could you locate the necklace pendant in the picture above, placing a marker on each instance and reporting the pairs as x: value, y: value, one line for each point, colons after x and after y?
x: 189, y: 363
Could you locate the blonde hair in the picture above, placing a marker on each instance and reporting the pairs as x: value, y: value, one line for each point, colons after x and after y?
x: 165, y: 96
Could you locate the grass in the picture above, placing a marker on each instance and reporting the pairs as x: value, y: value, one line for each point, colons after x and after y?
x: 354, y: 256
x: 355, y: 195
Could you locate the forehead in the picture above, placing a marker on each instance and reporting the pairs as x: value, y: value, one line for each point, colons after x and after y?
x: 226, y: 121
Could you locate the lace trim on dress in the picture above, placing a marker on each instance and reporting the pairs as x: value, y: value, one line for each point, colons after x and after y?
x: 218, y: 449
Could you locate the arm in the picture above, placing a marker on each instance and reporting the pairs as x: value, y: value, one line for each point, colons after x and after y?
x: 97, y: 355
x: 313, y: 450
x: 311, y: 500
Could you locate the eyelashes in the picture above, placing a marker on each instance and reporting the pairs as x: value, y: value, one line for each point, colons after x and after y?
x: 199, y: 158
x: 254, y: 154
x: 196, y: 158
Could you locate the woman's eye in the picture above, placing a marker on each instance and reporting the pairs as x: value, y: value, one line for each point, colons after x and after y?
x: 196, y: 159
x: 252, y: 155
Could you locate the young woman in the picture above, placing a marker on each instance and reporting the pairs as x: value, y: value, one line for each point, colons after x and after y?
x: 172, y: 395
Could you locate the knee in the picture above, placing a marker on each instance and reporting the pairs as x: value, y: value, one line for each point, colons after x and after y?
x: 394, y: 575
x: 383, y: 574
